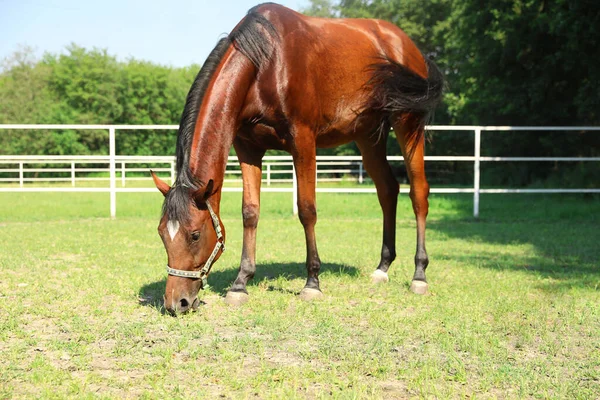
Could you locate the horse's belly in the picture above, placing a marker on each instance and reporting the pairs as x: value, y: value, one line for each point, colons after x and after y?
x: 346, y: 127
x: 334, y: 138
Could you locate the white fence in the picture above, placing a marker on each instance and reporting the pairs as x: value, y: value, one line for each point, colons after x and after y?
x: 18, y: 165
x: 23, y: 169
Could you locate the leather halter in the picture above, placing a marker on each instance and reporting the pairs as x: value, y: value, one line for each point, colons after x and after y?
x: 203, y: 273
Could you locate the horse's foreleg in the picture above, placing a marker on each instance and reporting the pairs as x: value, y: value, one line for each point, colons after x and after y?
x: 375, y: 162
x: 305, y: 164
x: 250, y: 159
x: 413, y: 148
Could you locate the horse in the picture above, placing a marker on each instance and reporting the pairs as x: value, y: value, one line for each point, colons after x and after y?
x: 283, y: 80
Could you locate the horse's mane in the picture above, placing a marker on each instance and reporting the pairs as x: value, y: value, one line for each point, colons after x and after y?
x: 248, y: 38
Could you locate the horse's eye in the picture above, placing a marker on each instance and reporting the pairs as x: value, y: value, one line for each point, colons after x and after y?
x: 195, y: 236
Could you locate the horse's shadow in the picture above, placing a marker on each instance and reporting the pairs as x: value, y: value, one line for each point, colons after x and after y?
x: 561, y: 261
x: 151, y: 294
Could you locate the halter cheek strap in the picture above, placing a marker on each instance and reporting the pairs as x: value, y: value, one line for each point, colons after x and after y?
x: 220, y: 245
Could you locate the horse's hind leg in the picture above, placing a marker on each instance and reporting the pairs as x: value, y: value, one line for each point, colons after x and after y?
x: 409, y: 133
x: 375, y: 162
x: 250, y: 159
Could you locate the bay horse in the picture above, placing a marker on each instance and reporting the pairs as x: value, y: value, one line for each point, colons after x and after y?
x: 283, y: 80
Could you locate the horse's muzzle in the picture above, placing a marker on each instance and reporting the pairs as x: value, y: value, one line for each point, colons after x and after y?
x: 181, y: 306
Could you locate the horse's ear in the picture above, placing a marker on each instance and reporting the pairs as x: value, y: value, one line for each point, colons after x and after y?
x: 160, y: 184
x: 203, y: 193
x: 209, y: 189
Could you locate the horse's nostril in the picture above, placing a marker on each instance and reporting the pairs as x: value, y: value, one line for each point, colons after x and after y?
x: 184, y: 304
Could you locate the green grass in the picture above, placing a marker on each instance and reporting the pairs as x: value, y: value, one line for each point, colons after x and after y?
x: 513, y: 309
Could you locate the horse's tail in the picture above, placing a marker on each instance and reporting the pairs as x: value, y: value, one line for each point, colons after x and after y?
x: 396, y: 90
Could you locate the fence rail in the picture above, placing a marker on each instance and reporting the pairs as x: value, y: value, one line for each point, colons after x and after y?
x: 325, y: 165
x: 21, y: 168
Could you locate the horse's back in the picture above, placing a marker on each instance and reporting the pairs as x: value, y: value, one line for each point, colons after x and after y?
x: 347, y: 43
x: 322, y: 66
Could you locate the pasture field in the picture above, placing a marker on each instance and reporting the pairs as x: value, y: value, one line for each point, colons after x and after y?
x: 513, y: 309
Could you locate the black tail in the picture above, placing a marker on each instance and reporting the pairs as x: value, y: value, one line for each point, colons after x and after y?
x: 396, y: 90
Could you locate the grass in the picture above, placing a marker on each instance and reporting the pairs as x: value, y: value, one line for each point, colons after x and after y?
x: 513, y: 310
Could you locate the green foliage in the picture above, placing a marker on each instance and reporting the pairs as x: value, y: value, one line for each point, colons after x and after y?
x: 522, y: 62
x: 525, y: 63
x: 25, y: 98
x: 89, y: 87
x: 321, y: 8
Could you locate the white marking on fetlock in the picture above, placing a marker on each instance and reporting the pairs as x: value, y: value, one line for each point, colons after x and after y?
x: 236, y: 298
x: 308, y: 294
x: 173, y: 228
x: 379, y: 276
x: 419, y: 287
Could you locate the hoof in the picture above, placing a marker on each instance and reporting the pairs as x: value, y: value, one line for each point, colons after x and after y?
x: 379, y: 276
x: 418, y: 287
x: 236, y: 298
x: 308, y: 294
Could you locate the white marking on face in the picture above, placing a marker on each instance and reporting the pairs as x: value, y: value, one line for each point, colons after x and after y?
x: 173, y: 228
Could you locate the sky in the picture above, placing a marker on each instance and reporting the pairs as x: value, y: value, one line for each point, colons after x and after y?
x: 175, y: 33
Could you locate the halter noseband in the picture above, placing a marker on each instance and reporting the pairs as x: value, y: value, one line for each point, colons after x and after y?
x: 203, y: 273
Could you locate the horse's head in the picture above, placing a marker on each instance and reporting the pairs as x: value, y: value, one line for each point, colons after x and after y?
x: 194, y: 239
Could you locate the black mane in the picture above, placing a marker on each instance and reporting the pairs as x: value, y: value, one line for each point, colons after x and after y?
x: 250, y: 39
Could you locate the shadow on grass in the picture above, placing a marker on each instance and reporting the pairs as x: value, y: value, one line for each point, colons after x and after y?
x: 151, y: 294
x: 563, y: 231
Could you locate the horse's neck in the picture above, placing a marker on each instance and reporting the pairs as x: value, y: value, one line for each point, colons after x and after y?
x: 217, y: 121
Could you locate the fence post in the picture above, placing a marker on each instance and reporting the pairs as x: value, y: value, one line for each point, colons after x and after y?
x: 73, y: 174
x: 294, y: 191
x: 476, y: 173
x: 360, y: 173
x: 123, y: 174
x: 113, y: 174
x: 172, y: 173
x: 21, y: 174
x: 268, y: 174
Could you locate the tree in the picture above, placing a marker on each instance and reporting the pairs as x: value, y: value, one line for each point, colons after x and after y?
x: 25, y: 99
x: 81, y: 86
x: 321, y: 8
